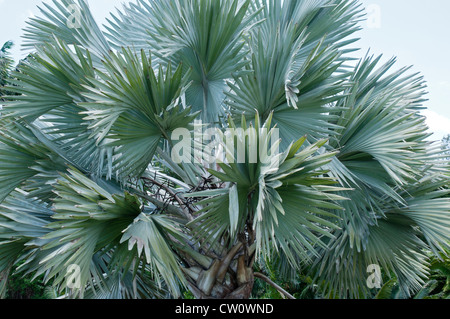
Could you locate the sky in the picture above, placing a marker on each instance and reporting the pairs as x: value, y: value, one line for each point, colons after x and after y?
x: 414, y: 31
x: 417, y: 32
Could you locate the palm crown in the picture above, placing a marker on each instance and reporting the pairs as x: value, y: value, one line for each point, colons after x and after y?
x: 89, y: 179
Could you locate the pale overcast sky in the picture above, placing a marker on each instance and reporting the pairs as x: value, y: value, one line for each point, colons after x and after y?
x: 415, y: 31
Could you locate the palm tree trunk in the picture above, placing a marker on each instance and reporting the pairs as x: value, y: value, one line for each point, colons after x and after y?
x: 230, y: 277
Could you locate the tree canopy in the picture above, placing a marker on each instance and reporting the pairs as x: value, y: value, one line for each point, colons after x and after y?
x: 93, y: 199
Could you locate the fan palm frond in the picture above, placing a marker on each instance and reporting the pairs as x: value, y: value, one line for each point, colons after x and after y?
x: 283, y: 207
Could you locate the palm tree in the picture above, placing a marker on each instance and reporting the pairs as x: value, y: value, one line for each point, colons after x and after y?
x: 94, y: 196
